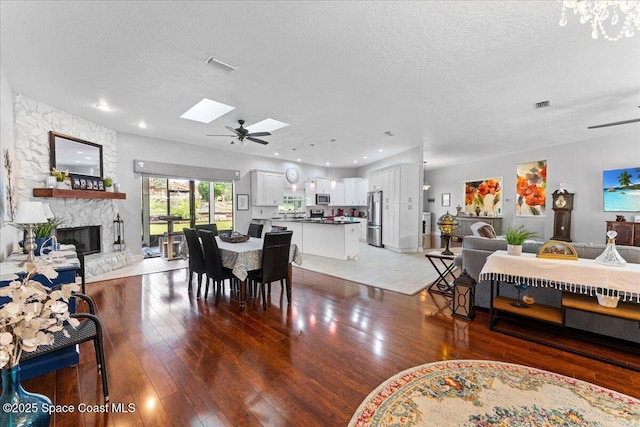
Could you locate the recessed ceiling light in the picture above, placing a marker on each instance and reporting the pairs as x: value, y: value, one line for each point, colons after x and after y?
x: 364, y: 157
x: 277, y: 154
x: 142, y: 124
x: 380, y: 150
x: 297, y: 160
x: 355, y: 161
x: 206, y: 111
x: 328, y: 164
x: 267, y: 125
x: 102, y: 106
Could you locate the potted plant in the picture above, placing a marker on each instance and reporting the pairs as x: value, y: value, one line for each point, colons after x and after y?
x: 61, y: 177
x: 515, y: 237
x: 41, y: 232
x: 108, y: 183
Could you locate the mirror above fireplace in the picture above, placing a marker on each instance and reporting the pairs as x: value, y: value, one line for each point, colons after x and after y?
x: 75, y: 155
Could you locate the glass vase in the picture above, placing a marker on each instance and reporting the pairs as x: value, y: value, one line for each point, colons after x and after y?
x: 19, y: 407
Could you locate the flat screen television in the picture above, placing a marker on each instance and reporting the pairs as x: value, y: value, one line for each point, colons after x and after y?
x: 621, y: 190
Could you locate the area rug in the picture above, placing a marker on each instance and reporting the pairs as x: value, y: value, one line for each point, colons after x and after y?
x: 405, y: 273
x: 486, y: 393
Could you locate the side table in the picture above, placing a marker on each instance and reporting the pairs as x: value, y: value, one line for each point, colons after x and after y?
x: 445, y: 268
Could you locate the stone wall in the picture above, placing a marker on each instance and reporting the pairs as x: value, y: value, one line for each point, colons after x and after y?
x: 33, y: 121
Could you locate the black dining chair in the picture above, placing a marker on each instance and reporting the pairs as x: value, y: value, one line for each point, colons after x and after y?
x: 255, y: 230
x: 89, y: 329
x: 196, y: 257
x: 213, y: 264
x: 275, y: 263
x: 209, y: 227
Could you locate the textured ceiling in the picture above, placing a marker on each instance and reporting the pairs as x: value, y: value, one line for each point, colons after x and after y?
x: 459, y: 78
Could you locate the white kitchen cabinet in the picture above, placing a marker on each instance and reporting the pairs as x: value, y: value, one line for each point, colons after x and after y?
x: 375, y: 180
x: 408, y: 226
x: 361, y: 193
x: 350, y: 186
x: 390, y: 225
x: 409, y: 185
x: 323, y: 186
x: 338, y: 195
x: 267, y: 188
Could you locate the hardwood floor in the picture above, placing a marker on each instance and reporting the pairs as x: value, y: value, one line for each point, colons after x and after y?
x: 182, y: 361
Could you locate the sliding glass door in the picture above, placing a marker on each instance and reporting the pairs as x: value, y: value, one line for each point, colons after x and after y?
x: 195, y: 202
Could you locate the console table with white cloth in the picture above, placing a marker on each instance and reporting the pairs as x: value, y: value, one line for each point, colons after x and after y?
x: 580, y: 276
x: 246, y: 256
x: 577, y: 280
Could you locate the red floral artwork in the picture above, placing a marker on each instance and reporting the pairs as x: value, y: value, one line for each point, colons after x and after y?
x: 531, y: 188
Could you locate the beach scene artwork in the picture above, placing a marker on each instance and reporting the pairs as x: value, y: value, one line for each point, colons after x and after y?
x: 622, y: 190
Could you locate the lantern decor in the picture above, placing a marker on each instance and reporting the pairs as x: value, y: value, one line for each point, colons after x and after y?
x: 464, y: 296
x: 447, y: 224
x: 118, y: 234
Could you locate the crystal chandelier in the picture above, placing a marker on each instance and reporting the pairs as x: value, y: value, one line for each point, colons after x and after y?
x: 605, y: 14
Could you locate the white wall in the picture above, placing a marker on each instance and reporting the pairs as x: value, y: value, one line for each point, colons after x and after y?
x: 131, y: 147
x: 9, y: 235
x: 579, y: 164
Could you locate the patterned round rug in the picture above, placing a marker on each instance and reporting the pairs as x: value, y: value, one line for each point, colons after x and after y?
x: 486, y: 393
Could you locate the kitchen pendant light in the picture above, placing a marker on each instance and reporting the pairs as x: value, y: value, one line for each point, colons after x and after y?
x: 425, y: 184
x: 312, y: 186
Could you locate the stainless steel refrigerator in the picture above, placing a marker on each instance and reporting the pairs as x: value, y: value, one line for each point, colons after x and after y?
x: 374, y: 218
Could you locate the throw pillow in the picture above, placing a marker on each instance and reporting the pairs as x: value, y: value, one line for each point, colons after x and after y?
x: 487, y: 231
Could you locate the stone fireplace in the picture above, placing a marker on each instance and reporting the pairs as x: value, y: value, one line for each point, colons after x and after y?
x: 86, y: 239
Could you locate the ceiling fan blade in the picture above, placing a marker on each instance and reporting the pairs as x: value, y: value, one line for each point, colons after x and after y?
x: 624, y: 122
x: 259, y: 141
x: 259, y: 134
x: 233, y: 130
x: 232, y: 136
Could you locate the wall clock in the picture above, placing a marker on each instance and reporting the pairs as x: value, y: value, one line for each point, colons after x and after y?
x: 562, y: 207
x: 292, y: 175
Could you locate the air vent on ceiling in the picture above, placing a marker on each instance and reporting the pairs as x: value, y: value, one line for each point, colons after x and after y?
x: 220, y: 64
x: 542, y: 104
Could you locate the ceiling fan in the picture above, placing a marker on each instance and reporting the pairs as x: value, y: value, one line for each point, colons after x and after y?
x: 241, y: 133
x: 623, y: 122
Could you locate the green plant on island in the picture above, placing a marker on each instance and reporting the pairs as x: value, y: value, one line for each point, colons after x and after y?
x: 517, y: 235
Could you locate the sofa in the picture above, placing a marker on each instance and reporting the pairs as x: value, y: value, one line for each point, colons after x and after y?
x: 475, y: 251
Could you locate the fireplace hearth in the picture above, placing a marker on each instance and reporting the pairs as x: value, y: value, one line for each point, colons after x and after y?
x: 86, y: 239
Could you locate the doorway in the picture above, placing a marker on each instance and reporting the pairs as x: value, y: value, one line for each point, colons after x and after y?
x: 195, y: 202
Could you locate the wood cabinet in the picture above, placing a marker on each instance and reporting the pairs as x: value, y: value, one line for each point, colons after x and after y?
x: 628, y: 232
x: 267, y: 188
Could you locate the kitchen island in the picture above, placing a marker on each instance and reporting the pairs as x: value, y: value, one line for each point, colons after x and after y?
x: 332, y: 239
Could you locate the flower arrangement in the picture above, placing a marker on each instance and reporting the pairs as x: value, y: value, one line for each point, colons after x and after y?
x: 60, y: 176
x: 33, y: 315
x: 517, y: 235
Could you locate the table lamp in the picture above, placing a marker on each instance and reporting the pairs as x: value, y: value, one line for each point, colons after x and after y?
x: 29, y: 214
x: 447, y: 224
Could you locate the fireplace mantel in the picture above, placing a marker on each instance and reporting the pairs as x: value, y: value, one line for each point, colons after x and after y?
x: 77, y: 194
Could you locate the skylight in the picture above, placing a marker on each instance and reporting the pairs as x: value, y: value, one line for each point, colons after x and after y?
x: 206, y: 111
x: 267, y: 125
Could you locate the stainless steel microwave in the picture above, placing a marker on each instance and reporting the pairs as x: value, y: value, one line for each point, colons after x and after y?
x: 323, y: 199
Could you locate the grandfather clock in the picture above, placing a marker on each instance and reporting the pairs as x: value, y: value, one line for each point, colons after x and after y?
x: 562, y: 207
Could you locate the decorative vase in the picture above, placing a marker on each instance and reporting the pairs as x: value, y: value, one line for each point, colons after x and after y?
x: 19, y: 407
x: 108, y: 189
x: 477, y: 210
x: 515, y: 250
x: 63, y: 185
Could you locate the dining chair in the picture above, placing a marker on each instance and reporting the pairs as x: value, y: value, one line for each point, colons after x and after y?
x: 210, y: 227
x: 89, y: 329
x: 196, y: 257
x: 213, y: 264
x: 255, y: 230
x: 275, y: 263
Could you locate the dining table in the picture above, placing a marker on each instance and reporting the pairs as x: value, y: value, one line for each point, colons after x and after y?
x: 242, y: 257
